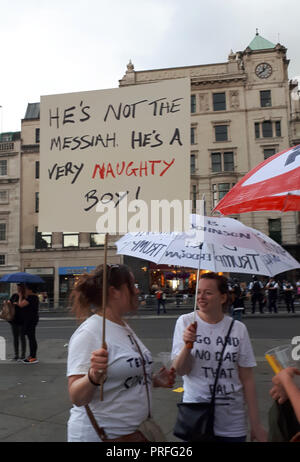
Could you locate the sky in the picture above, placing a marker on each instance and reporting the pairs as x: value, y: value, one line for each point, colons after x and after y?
x: 62, y: 46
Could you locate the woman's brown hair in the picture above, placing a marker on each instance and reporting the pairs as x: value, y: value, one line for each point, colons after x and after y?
x: 86, y: 295
x: 222, y: 285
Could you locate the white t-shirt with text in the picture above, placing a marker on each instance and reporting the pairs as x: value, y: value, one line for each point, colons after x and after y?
x: 124, y: 404
x: 230, y: 414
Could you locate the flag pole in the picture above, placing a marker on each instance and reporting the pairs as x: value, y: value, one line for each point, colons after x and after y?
x: 104, y: 298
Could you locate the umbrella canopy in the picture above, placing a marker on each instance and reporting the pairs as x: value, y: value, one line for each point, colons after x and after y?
x: 22, y: 277
x: 212, y: 246
x: 272, y: 185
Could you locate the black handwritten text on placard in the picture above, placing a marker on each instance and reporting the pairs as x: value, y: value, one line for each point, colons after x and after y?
x: 98, y: 143
x: 59, y: 171
x: 69, y: 115
x: 159, y: 107
x: 107, y: 197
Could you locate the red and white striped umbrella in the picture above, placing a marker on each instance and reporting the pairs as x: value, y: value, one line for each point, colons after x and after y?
x: 272, y: 185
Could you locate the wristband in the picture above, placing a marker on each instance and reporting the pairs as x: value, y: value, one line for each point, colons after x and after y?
x: 91, y: 380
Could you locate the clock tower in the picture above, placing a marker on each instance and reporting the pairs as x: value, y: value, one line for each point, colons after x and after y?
x: 264, y: 62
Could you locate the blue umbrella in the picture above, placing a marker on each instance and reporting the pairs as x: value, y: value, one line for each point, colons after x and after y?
x: 21, y: 277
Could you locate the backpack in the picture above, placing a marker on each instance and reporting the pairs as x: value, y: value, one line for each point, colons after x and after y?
x: 158, y: 295
x: 256, y: 287
x: 8, y: 311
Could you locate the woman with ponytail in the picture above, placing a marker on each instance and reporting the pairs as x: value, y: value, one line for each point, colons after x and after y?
x: 124, y: 364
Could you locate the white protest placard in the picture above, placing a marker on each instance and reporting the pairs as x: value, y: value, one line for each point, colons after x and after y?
x: 112, y: 150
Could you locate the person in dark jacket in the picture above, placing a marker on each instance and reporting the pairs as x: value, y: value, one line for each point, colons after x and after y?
x: 256, y: 290
x: 17, y: 325
x: 29, y: 303
x: 272, y: 288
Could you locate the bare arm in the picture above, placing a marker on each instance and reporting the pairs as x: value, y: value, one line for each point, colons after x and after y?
x: 81, y: 390
x: 247, y: 378
x: 285, y: 379
x: 183, y: 363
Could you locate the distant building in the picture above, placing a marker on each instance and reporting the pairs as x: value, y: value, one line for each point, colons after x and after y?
x: 241, y: 114
x: 9, y: 205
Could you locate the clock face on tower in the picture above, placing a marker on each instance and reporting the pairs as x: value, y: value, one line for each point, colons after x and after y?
x: 263, y: 70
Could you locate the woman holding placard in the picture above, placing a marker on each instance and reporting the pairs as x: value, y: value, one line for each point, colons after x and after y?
x: 124, y: 363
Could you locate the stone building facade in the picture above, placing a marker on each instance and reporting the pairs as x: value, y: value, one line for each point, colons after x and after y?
x: 241, y: 113
x: 9, y: 205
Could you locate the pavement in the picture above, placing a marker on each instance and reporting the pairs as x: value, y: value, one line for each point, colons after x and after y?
x: 34, y: 403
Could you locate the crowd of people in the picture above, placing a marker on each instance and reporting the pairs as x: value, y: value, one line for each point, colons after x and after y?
x: 265, y: 296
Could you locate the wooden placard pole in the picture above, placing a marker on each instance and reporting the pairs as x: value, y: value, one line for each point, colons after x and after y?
x: 104, y: 297
x: 202, y: 213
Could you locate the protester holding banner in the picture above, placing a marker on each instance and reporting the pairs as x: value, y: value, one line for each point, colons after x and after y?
x: 125, y: 363
x: 198, y: 365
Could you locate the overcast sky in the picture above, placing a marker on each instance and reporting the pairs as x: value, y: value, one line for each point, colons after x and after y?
x: 61, y: 46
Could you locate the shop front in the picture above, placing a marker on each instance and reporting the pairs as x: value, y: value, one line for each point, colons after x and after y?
x: 173, y: 278
x: 68, y: 275
x: 46, y: 290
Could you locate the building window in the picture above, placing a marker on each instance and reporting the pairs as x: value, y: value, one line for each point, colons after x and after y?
x: 2, y: 231
x: 278, y: 128
x: 194, y: 196
x: 70, y: 239
x: 222, y: 162
x: 193, y: 163
x: 275, y: 229
x: 268, y: 152
x: 216, y: 162
x: 228, y: 162
x: 37, y: 135
x: 6, y: 137
x: 37, y: 202
x: 97, y: 240
x: 37, y: 169
x: 267, y: 129
x: 220, y: 190
x: 3, y: 167
x: 3, y: 197
x: 193, y: 135
x: 219, y: 101
x: 42, y: 240
x: 265, y: 98
x: 221, y: 133
x: 193, y: 104
x: 2, y: 259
